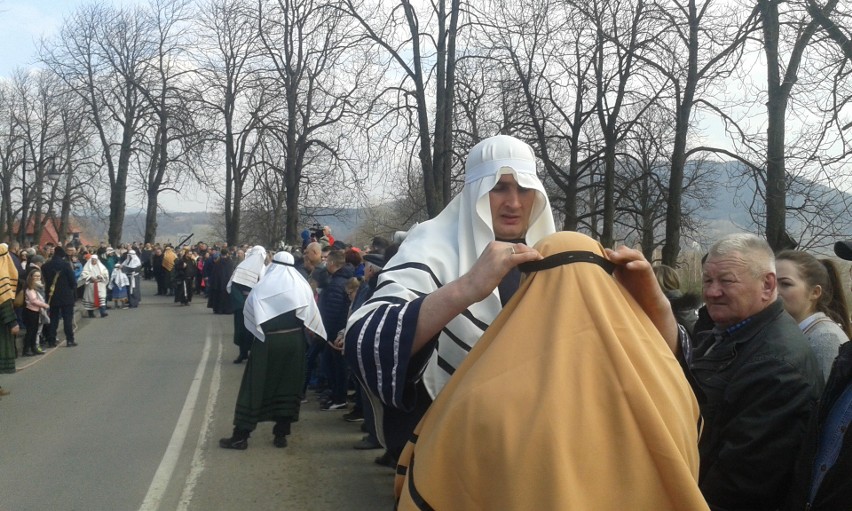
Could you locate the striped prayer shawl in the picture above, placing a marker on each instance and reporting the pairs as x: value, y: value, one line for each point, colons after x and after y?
x: 381, y: 333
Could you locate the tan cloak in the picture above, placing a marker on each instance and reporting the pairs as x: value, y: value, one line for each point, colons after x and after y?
x: 571, y: 400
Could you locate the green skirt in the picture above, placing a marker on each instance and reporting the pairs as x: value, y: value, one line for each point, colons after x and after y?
x: 272, y: 382
x: 8, y: 352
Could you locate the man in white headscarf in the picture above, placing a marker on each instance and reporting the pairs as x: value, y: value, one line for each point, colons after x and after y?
x: 95, y: 277
x: 278, y: 311
x: 449, y: 280
x: 245, y: 277
x: 132, y: 267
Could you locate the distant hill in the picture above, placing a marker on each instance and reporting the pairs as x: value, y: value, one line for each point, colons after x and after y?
x: 174, y: 226
x: 727, y: 212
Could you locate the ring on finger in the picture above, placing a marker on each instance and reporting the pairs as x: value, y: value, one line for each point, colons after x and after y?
x: 512, y: 250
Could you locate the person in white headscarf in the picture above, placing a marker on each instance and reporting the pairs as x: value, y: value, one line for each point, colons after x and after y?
x: 446, y: 284
x: 118, y: 285
x: 279, y: 312
x: 132, y: 267
x: 95, y: 277
x: 245, y: 277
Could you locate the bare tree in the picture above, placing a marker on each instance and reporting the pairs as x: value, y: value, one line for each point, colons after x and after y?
x: 839, y: 31
x: 402, y: 31
x: 230, y: 47
x: 315, y: 80
x: 697, y: 44
x: 175, y: 142
x: 99, y: 54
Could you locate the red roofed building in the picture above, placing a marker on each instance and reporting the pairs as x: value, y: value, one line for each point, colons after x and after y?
x: 49, y: 233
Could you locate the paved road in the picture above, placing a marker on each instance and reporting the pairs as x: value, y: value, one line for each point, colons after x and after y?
x: 130, y: 420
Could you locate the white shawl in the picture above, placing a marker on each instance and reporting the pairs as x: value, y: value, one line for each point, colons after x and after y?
x: 282, y: 289
x: 250, y: 271
x: 450, y: 244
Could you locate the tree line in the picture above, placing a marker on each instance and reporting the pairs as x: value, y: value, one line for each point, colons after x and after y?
x: 280, y: 107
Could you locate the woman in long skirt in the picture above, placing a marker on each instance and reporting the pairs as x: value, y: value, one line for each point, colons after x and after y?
x: 279, y: 311
x: 8, y: 321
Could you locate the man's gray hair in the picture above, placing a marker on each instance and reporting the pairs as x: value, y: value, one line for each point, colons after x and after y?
x: 753, y: 249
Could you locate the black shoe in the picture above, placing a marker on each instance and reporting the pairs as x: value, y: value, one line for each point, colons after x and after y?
x: 366, y: 444
x: 239, y: 360
x: 70, y: 344
x: 104, y: 314
x: 386, y: 460
x: 27, y: 354
x: 331, y: 406
x: 353, y: 416
x: 240, y: 444
x: 280, y: 441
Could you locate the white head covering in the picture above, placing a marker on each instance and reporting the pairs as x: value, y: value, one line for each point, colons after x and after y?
x: 280, y: 290
x: 249, y: 272
x: 133, y: 261
x: 449, y: 244
x: 90, y: 269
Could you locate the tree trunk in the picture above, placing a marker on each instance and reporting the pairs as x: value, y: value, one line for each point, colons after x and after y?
x: 608, y: 234
x: 776, y: 107
x: 118, y: 192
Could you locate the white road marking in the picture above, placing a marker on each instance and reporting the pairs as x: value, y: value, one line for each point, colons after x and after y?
x: 207, y: 426
x: 170, y: 458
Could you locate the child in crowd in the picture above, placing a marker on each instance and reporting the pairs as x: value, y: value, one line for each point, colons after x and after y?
x: 118, y: 284
x: 35, y: 314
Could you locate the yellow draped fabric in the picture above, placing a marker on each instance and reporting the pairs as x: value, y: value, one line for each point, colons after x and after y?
x: 8, y: 274
x: 571, y: 400
x: 169, y: 257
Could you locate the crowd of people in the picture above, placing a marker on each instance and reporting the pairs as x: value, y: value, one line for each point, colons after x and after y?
x: 46, y: 283
x: 503, y: 365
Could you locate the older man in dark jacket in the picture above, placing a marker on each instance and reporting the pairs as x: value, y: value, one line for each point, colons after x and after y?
x: 755, y: 378
x: 60, y: 289
x: 334, y: 309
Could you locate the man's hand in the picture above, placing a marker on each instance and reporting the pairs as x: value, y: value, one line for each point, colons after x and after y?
x: 496, y: 261
x: 636, y: 274
x: 441, y: 306
x: 15, y: 330
x: 338, y: 342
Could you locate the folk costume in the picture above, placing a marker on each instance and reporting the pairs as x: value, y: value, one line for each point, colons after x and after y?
x: 380, y: 333
x: 185, y: 271
x: 277, y: 312
x: 95, y: 277
x: 169, y: 258
x: 620, y: 426
x: 220, y: 270
x: 8, y: 320
x: 118, y: 286
x: 246, y: 275
x: 132, y: 267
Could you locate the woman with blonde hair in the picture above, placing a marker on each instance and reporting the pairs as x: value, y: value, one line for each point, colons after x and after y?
x: 34, y: 318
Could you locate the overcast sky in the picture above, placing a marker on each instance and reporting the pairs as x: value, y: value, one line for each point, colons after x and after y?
x: 22, y: 23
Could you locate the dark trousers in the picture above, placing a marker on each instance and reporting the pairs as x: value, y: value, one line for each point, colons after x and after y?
x: 311, y: 367
x: 66, y: 312
x: 161, y: 284
x: 337, y: 376
x: 31, y: 320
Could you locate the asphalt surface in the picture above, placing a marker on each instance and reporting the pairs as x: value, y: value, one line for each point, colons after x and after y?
x: 131, y: 418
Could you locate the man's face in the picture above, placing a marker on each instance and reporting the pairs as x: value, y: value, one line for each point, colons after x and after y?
x: 313, y: 256
x: 511, y: 205
x: 732, y: 293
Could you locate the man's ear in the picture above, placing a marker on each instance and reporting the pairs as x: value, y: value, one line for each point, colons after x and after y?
x: 770, y: 285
